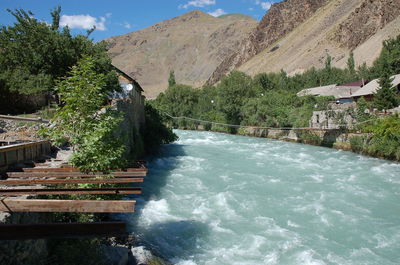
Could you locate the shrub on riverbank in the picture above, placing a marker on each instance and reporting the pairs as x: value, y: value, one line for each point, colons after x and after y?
x: 155, y: 132
x: 385, y: 139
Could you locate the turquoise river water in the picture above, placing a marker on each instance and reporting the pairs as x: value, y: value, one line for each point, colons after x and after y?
x: 221, y: 199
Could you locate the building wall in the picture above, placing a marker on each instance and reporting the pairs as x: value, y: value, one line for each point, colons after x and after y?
x: 134, y: 120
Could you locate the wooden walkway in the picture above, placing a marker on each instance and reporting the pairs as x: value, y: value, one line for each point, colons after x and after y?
x: 16, y: 189
x: 67, y: 176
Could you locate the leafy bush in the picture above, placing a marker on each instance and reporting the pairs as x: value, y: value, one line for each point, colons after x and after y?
x: 356, y: 144
x: 155, y: 132
x: 385, y: 140
x: 307, y: 137
x: 84, y: 121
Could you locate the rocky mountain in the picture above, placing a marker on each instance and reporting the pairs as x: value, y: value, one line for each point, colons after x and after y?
x: 280, y: 20
x: 298, y: 34
x: 294, y: 35
x: 192, y: 45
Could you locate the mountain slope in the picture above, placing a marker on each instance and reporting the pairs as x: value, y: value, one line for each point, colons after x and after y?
x: 294, y: 35
x: 192, y: 45
x: 334, y: 26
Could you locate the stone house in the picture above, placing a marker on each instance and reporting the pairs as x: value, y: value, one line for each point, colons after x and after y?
x: 372, y: 87
x: 342, y: 93
x: 131, y: 102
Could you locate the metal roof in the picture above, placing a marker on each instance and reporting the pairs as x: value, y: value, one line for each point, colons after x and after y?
x: 359, y: 83
x: 373, y: 86
x: 332, y: 90
x: 316, y: 91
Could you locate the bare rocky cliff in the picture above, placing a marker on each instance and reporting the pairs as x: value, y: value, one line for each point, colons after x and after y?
x: 192, y: 45
x: 280, y: 20
x: 365, y: 21
x: 296, y: 35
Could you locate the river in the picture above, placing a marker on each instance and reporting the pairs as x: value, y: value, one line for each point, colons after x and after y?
x: 222, y: 199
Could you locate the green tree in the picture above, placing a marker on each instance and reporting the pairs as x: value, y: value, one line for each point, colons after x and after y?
x: 351, y: 65
x: 328, y: 62
x: 389, y: 59
x: 362, y: 108
x: 34, y: 55
x: 171, y: 79
x: 385, y: 97
x: 155, y: 133
x: 262, y: 80
x: 84, y: 121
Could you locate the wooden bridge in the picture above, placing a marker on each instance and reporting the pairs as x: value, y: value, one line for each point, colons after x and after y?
x: 17, y: 187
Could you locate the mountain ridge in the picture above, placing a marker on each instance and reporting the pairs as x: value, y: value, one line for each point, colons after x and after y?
x: 192, y: 45
x: 294, y: 35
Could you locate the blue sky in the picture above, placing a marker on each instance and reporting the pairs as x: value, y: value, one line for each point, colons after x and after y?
x: 122, y: 16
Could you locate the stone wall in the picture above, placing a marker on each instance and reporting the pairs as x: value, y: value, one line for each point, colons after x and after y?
x: 327, y: 138
x: 134, y: 119
x: 340, y: 115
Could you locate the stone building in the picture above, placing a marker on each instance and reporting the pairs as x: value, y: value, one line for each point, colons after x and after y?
x: 131, y: 102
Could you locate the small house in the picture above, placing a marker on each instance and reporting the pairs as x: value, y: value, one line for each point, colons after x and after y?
x: 372, y: 87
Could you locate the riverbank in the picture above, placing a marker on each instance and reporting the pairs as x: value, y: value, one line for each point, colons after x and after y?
x: 341, y: 139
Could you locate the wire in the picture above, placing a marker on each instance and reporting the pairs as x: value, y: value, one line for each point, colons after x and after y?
x: 259, y: 127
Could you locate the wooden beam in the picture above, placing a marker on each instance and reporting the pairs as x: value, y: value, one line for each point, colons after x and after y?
x: 72, y: 174
x: 73, y: 206
x: 97, y: 191
x: 69, y: 181
x: 21, y: 146
x: 72, y: 169
x: 61, y: 230
x: 51, y: 169
x: 19, y: 118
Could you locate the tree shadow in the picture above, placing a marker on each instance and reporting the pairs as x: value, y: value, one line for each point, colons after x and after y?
x: 160, y: 167
x: 330, y: 137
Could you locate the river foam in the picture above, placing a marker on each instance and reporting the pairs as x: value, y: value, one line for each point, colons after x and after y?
x: 218, y: 199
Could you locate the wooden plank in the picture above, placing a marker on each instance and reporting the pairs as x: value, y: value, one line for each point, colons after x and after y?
x: 50, y: 169
x: 72, y: 174
x: 107, y: 190
x: 71, y: 169
x: 19, y: 118
x: 61, y: 230
x: 72, y: 206
x: 20, y: 146
x: 68, y: 181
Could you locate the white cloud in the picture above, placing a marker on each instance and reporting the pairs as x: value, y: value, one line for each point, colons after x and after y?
x: 108, y: 15
x: 198, y: 3
x: 264, y: 5
x: 217, y: 13
x: 127, y: 25
x: 83, y: 22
